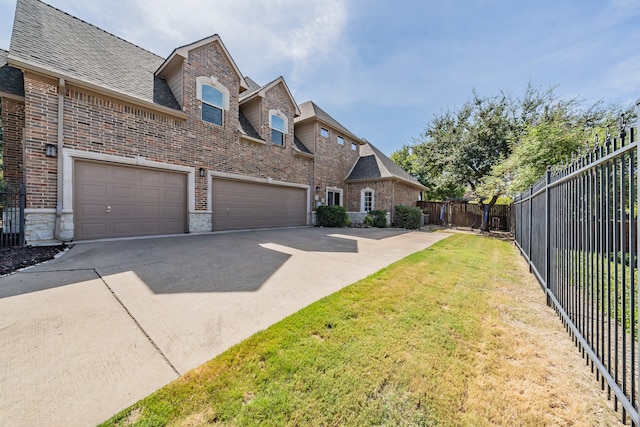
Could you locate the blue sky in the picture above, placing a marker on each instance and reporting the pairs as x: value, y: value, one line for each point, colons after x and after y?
x: 384, y: 68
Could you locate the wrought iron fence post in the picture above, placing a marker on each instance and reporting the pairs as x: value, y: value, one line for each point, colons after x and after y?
x: 530, y: 227
x: 547, y: 225
x: 23, y: 203
x: 637, y: 244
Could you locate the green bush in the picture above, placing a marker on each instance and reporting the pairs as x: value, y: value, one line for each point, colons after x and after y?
x: 331, y: 216
x: 408, y: 217
x: 379, y: 218
x: 368, y: 221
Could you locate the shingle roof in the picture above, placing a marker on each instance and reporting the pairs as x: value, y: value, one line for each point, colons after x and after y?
x: 245, y: 128
x: 300, y: 146
x: 55, y: 41
x: 373, y: 164
x: 11, y: 80
x: 253, y: 86
x: 309, y: 109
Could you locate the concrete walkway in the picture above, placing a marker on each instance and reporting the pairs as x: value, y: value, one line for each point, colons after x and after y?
x: 92, y: 332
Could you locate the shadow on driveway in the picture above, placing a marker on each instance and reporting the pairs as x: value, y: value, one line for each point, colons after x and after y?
x: 225, y: 262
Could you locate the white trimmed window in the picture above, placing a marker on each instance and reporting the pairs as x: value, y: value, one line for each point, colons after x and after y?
x: 334, y: 196
x: 366, y: 200
x: 340, y: 140
x: 215, y: 99
x: 279, y: 125
x: 324, y: 133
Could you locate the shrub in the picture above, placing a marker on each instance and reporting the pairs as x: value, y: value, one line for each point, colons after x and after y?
x: 408, y: 217
x: 368, y: 221
x: 379, y: 218
x: 331, y: 216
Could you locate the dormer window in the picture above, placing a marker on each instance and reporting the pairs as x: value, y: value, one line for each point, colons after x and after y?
x: 279, y: 125
x: 215, y: 99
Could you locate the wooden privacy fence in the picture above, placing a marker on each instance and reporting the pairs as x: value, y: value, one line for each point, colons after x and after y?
x: 464, y: 214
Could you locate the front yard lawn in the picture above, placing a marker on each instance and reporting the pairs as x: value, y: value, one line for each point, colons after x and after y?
x: 458, y: 334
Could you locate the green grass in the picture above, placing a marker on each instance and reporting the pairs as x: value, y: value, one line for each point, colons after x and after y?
x: 400, y: 347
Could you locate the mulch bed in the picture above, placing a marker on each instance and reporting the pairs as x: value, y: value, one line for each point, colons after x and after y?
x: 16, y: 257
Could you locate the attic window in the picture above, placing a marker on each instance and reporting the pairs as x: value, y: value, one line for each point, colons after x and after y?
x: 214, y: 97
x: 354, y: 146
x: 324, y: 133
x: 279, y: 125
x: 340, y: 140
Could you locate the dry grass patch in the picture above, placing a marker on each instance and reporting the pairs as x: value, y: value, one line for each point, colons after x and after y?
x: 458, y: 334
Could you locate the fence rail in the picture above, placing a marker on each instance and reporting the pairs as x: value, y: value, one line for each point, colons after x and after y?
x: 578, y: 230
x: 12, y: 204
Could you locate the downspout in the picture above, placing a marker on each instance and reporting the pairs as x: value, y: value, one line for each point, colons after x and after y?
x: 393, y: 199
x: 61, y: 93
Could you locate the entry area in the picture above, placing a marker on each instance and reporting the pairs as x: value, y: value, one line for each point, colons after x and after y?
x: 123, y: 201
x: 239, y: 205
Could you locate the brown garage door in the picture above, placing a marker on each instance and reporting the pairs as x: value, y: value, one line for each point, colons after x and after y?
x: 122, y: 201
x: 240, y: 205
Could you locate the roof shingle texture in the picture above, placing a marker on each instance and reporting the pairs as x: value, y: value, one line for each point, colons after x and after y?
x: 11, y: 80
x: 56, y: 41
x: 373, y: 164
x: 310, y: 109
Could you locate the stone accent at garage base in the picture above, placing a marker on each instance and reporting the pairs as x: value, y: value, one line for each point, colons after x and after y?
x: 40, y: 226
x: 200, y: 221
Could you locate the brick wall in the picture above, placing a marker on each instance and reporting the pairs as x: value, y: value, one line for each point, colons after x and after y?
x: 387, y: 194
x: 96, y: 123
x: 12, y: 122
x: 41, y: 119
x: 333, y: 161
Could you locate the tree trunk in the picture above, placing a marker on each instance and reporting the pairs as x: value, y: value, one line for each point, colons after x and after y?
x: 485, y: 213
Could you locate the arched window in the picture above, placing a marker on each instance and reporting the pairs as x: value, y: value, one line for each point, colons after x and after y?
x: 279, y: 126
x: 215, y: 99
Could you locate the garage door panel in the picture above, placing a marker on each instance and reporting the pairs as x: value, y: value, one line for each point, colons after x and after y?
x: 243, y: 205
x: 137, y: 198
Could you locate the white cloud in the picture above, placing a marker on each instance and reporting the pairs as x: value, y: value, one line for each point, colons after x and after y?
x: 623, y: 79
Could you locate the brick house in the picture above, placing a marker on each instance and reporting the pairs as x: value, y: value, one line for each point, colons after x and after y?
x: 112, y: 140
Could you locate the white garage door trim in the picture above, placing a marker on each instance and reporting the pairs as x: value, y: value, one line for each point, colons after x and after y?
x: 214, y: 174
x: 68, y: 155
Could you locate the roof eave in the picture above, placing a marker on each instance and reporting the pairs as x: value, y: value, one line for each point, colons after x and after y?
x: 183, y: 52
x: 319, y: 120
x: 26, y: 65
x: 388, y: 178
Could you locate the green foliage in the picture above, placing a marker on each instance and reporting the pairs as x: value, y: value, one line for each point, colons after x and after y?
x: 408, y: 217
x: 500, y: 145
x: 407, y: 159
x: 368, y: 221
x: 331, y: 216
x: 379, y: 218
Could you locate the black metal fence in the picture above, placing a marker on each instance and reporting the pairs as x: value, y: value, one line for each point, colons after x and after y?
x: 578, y: 229
x: 12, y: 203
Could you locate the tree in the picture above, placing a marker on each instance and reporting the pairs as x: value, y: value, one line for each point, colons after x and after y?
x: 462, y: 146
x: 407, y: 160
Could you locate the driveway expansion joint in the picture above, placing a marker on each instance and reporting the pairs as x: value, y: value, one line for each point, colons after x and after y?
x: 144, y: 332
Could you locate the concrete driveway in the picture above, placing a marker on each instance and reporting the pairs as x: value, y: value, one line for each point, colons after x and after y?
x: 94, y: 331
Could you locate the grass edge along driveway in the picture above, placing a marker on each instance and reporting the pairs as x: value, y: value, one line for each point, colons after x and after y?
x: 457, y: 334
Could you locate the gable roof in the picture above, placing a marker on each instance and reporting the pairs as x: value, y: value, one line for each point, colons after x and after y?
x: 182, y: 52
x: 52, y: 42
x: 374, y: 165
x: 11, y: 80
x: 309, y: 110
x: 262, y: 90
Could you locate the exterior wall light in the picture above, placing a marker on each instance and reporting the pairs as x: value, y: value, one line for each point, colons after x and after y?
x: 51, y: 150
x: 202, y: 172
